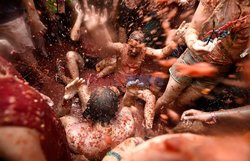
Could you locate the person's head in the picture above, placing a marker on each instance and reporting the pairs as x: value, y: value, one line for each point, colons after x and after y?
x: 135, y: 42
x: 102, y: 105
x: 132, y: 4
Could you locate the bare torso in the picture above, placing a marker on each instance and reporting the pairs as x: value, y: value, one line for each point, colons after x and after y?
x: 128, y: 65
x: 94, y: 140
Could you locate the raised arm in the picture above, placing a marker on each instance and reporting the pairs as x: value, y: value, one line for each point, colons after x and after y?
x: 95, y: 23
x: 75, y: 32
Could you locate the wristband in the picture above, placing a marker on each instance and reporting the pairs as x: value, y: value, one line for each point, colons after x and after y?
x: 114, y: 154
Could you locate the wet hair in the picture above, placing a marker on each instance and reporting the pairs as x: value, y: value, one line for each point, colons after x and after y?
x: 102, y: 105
x: 137, y: 35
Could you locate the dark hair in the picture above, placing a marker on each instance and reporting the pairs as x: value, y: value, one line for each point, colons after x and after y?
x: 137, y: 35
x: 102, y: 105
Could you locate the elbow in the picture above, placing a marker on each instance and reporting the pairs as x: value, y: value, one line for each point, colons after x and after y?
x: 74, y: 38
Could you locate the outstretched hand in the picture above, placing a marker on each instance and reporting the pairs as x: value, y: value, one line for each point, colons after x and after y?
x: 79, y: 10
x: 93, y: 18
x: 193, y: 115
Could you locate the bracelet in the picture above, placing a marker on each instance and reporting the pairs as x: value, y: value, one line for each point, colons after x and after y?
x: 114, y: 154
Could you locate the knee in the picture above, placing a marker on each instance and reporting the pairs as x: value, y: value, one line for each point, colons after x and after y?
x: 5, y: 45
x: 71, y: 55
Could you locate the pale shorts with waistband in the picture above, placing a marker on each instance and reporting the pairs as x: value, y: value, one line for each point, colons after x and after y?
x: 200, y: 83
x: 18, y: 34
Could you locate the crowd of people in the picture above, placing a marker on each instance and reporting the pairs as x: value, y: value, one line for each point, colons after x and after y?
x: 124, y: 80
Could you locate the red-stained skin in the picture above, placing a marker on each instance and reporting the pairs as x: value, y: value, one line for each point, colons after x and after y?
x: 21, y: 105
x: 128, y: 65
x: 94, y: 140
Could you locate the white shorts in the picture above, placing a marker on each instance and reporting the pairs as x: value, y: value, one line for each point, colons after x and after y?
x: 18, y: 34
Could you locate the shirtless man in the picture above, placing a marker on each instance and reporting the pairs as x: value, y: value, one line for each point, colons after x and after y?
x: 130, y: 55
x: 104, y: 124
x: 222, y: 54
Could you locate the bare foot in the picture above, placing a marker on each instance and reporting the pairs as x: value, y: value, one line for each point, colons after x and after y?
x: 72, y: 88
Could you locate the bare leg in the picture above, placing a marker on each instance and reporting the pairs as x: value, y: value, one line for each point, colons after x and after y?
x: 5, y: 46
x: 40, y: 43
x: 106, y: 71
x: 186, y: 98
x: 106, y: 67
x: 73, y: 60
x: 105, y: 62
x: 173, y: 90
